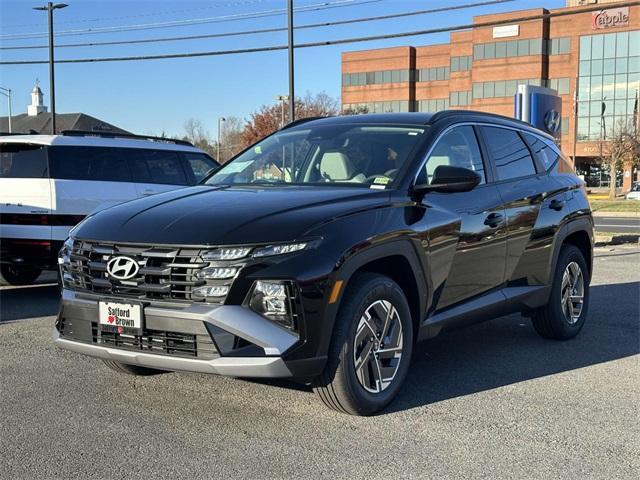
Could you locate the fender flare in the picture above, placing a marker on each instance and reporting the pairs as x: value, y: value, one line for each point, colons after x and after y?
x: 352, y: 262
x: 580, y: 224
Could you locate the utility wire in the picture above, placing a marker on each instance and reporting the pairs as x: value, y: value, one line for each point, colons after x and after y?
x: 190, y: 22
x: 148, y: 14
x: 266, y: 30
x: 342, y: 41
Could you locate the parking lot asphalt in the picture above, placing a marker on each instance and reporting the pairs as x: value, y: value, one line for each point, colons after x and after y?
x: 628, y: 225
x: 490, y: 401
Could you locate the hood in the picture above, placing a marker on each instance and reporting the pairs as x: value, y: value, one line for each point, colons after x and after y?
x: 204, y: 215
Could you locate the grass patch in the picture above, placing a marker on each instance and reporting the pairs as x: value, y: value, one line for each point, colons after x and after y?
x: 615, y: 205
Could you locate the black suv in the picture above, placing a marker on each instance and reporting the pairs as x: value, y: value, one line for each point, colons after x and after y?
x: 326, y: 250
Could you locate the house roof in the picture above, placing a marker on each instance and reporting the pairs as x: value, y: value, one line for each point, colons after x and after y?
x: 41, y: 123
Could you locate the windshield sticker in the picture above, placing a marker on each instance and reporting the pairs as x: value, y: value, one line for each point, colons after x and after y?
x: 377, y: 187
x: 381, y: 180
x: 235, y: 167
x: 257, y: 149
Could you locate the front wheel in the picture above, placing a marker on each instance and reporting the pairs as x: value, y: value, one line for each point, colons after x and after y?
x: 370, y: 349
x: 19, y: 275
x: 564, y: 314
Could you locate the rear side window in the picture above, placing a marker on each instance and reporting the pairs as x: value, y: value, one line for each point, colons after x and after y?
x: 544, y: 150
x: 21, y: 160
x: 199, y: 164
x: 509, y: 152
x: 156, y: 166
x: 88, y: 163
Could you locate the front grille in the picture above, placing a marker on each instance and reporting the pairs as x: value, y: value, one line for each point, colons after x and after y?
x: 165, y: 273
x: 175, y: 344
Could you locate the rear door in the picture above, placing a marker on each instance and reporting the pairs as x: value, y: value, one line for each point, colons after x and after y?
x: 522, y: 189
x: 86, y: 179
x: 156, y: 171
x: 478, y: 262
x: 25, y: 192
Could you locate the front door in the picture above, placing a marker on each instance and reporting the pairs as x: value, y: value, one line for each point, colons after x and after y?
x: 480, y: 246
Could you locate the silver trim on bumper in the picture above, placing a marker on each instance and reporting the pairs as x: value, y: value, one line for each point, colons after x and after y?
x: 236, y: 320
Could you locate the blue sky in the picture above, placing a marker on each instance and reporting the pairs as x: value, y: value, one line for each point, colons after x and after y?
x: 160, y: 95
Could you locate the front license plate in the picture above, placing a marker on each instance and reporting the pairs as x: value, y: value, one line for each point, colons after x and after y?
x: 119, y: 317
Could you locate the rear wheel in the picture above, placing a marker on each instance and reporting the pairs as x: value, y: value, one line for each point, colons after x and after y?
x: 131, y: 369
x: 370, y: 349
x: 19, y: 275
x: 565, y: 313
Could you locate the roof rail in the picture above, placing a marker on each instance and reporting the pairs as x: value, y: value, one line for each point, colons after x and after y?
x: 97, y: 133
x: 7, y: 134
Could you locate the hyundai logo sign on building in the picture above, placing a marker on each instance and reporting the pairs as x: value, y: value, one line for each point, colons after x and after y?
x: 539, y: 106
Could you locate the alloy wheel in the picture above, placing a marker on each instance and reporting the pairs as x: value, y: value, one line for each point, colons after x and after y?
x: 572, y: 292
x: 377, y: 349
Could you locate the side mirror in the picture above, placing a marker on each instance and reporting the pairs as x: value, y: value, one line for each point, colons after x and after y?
x: 448, y: 179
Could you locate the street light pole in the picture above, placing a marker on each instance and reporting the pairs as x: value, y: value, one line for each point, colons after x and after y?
x: 292, y: 97
x: 7, y: 93
x: 50, y: 7
x: 220, y: 120
x: 282, y: 99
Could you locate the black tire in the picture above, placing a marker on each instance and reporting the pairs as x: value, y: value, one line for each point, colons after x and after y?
x: 131, y: 369
x: 19, y: 275
x: 551, y: 321
x: 338, y: 386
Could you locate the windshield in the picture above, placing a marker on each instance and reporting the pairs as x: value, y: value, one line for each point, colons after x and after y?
x: 327, y: 155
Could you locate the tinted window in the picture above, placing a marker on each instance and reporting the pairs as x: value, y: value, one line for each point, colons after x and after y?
x: 199, y: 164
x: 156, y: 166
x: 546, y: 153
x: 510, y: 154
x: 88, y: 163
x: 458, y: 148
x: 23, y: 161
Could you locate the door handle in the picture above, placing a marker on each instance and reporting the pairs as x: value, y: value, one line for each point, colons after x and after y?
x: 557, y: 205
x: 493, y: 220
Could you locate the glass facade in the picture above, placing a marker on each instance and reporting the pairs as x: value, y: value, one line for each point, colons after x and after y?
x: 608, y: 82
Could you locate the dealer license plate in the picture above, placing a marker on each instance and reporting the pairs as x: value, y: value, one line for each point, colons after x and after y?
x: 119, y: 317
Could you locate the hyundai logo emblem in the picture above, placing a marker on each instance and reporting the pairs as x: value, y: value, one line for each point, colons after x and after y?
x: 552, y: 121
x: 122, y: 268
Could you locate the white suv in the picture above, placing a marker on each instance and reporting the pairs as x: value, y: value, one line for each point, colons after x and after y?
x: 48, y: 183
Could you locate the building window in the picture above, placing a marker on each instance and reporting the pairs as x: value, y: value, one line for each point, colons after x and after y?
x: 558, y: 46
x: 432, y: 74
x: 520, y: 48
x: 608, y: 82
x: 460, y: 99
x: 432, y: 104
x: 376, y: 107
x: 373, y: 78
x: 501, y: 88
x: 561, y: 85
x: 460, y: 64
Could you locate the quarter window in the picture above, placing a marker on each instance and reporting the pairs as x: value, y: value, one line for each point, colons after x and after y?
x: 509, y: 153
x: 23, y: 161
x: 199, y: 164
x: 546, y: 153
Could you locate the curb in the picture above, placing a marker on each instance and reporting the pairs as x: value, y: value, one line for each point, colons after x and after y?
x: 601, y: 240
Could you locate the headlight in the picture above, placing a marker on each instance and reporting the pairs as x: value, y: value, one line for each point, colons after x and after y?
x: 279, y: 249
x: 63, y: 254
x: 274, y: 300
x: 210, y: 292
x: 217, y: 273
x: 232, y: 253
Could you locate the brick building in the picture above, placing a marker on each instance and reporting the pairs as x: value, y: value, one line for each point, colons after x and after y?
x: 597, y: 52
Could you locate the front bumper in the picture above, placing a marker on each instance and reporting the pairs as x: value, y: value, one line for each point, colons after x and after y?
x: 219, y: 326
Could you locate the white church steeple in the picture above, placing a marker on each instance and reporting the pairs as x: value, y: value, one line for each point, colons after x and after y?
x: 37, y: 105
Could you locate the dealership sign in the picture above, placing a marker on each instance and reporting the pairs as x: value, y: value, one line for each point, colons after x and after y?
x: 611, y: 17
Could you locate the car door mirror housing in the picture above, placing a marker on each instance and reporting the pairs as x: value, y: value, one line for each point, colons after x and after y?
x: 448, y: 179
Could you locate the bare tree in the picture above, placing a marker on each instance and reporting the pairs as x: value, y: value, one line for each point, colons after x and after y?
x: 622, y: 149
x: 199, y: 136
x: 231, y: 138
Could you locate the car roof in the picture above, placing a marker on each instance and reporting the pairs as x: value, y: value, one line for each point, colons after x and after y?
x: 98, y: 141
x: 420, y: 118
